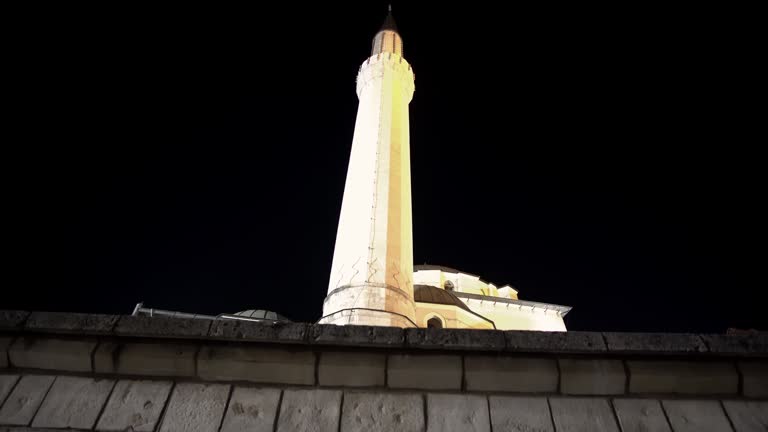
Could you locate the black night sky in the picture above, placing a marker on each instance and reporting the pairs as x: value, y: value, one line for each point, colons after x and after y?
x: 195, y: 160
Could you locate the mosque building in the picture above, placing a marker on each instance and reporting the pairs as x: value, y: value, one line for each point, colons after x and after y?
x: 373, y: 280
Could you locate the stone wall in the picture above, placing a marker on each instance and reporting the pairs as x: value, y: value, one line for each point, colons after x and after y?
x: 116, y: 373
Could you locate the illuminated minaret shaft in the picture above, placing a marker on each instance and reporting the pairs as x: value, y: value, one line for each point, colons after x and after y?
x: 371, y: 280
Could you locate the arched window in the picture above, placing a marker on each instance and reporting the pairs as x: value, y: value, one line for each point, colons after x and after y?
x: 435, y: 322
x: 449, y: 285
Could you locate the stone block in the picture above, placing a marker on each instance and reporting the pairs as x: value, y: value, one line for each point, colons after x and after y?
x: 754, y: 375
x: 457, y: 413
x: 696, y: 416
x: 592, y: 377
x: 105, y: 357
x: 256, y: 364
x: 152, y: 359
x: 195, y: 408
x: 424, y: 371
x: 520, y: 414
x: 53, y: 354
x: 354, y: 335
x: 73, y: 402
x: 135, y: 406
x: 351, y: 369
x: 385, y: 412
x: 12, y: 319
x: 655, y: 343
x: 6, y: 384
x: 252, y: 410
x: 682, y: 377
x: 554, y: 342
x: 752, y: 344
x: 512, y: 374
x: 61, y: 322
x: 640, y: 415
x: 272, y: 332
x: 747, y: 416
x: 583, y: 415
x: 455, y: 339
x: 161, y: 326
x: 309, y: 410
x: 23, y: 402
x: 5, y: 343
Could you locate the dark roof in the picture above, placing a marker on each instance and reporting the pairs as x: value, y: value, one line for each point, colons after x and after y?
x: 435, y: 295
x: 262, y: 314
x: 389, y: 22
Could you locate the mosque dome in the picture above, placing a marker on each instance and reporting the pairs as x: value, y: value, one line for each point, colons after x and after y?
x: 262, y: 314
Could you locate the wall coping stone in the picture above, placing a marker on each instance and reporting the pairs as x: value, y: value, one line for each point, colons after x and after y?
x: 62, y: 322
x: 278, y: 331
x: 554, y: 342
x: 655, y: 343
x: 455, y: 339
x: 144, y: 326
x: 12, y: 319
x: 609, y: 344
x: 368, y: 336
x: 743, y: 344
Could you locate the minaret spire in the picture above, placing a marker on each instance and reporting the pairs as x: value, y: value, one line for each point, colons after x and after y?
x: 388, y: 39
x: 371, y: 280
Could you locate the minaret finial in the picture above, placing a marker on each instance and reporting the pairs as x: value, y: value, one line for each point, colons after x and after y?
x: 390, y: 8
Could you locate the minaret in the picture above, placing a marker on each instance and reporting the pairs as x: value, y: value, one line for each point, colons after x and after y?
x: 371, y: 279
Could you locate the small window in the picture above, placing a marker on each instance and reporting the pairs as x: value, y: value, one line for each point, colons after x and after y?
x: 449, y: 285
x: 435, y: 322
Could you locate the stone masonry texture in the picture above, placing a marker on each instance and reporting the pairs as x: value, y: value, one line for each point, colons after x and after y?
x: 325, y: 334
x: 136, y: 405
x: 62, y: 322
x: 153, y: 359
x: 162, y: 327
x: 73, y: 402
x: 583, y: 415
x: 520, y: 414
x: 696, y: 416
x: 592, y: 377
x: 256, y: 364
x: 514, y: 374
x: 554, y: 342
x: 5, y: 342
x: 455, y: 339
x: 747, y: 416
x: 434, y: 372
x: 755, y: 378
x: 52, y: 354
x: 6, y: 384
x: 285, y: 332
x: 106, y: 373
x: 351, y: 369
x: 25, y: 399
x: 310, y: 410
x: 195, y: 408
x: 457, y: 413
x: 384, y: 412
x: 640, y: 415
x: 251, y: 409
x: 682, y: 377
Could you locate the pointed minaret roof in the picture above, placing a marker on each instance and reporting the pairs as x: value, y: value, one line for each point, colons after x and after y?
x: 389, y: 22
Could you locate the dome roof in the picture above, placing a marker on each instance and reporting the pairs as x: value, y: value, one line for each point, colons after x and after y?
x: 262, y: 314
x: 435, y: 295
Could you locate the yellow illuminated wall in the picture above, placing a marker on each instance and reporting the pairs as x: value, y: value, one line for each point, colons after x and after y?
x: 506, y: 315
